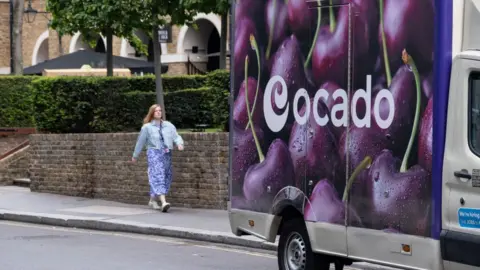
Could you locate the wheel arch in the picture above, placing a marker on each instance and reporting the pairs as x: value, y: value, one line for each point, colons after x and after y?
x: 288, y: 204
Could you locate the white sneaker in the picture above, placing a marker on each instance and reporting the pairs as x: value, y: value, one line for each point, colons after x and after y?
x: 154, y: 204
x: 165, y: 207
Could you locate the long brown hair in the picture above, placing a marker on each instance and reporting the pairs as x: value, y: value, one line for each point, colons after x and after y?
x: 148, y: 118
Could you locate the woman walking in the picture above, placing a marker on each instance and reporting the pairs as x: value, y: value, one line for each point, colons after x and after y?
x: 158, y: 136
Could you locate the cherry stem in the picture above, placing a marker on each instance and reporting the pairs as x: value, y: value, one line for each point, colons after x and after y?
x: 319, y: 19
x: 366, y: 162
x: 270, y: 34
x: 257, y: 144
x: 254, y: 44
x: 407, y: 59
x: 384, y: 45
x: 332, y: 18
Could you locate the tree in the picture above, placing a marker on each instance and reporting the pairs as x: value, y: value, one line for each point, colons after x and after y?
x: 158, y: 13
x: 120, y: 18
x: 18, y: 8
x: 222, y: 8
x: 94, y: 17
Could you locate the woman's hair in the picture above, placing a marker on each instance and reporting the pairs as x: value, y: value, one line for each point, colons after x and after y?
x: 148, y: 118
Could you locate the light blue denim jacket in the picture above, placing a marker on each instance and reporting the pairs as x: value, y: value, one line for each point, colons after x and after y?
x: 150, y: 137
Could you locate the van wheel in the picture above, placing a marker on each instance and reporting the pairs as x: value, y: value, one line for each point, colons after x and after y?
x: 294, y: 250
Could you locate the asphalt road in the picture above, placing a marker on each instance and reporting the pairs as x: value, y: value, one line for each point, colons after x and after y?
x: 35, y: 247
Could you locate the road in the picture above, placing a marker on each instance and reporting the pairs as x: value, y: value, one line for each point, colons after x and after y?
x: 36, y: 247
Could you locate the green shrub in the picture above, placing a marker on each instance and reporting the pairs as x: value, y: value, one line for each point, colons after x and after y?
x: 111, y: 104
x: 219, y: 78
x: 189, y: 107
x: 66, y: 104
x: 16, y: 108
x: 169, y: 83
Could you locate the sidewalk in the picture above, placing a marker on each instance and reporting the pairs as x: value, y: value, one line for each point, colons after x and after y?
x: 19, y: 204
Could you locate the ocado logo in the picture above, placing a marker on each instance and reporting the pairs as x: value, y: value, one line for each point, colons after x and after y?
x: 277, y: 122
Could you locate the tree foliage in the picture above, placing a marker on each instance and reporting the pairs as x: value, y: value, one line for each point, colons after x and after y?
x: 219, y: 7
x: 121, y: 17
x: 93, y: 17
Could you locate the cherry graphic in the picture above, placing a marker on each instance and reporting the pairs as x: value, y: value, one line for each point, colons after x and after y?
x: 240, y: 112
x: 265, y: 179
x: 406, y: 24
x: 331, y: 51
x: 301, y: 18
x: 399, y: 195
x: 244, y: 153
x: 427, y: 85
x: 404, y: 97
x: 313, y: 148
x: 425, y: 138
x: 276, y: 16
x: 288, y: 64
x: 242, y: 48
x: 354, y: 146
x: 273, y: 172
x: 239, y: 202
x: 325, y: 206
x: 360, y: 108
x: 252, y: 10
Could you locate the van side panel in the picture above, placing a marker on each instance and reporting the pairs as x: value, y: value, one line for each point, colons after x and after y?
x: 443, y: 63
x: 331, y: 121
x: 394, y: 194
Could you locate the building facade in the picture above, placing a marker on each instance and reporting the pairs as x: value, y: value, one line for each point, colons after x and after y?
x: 191, y: 50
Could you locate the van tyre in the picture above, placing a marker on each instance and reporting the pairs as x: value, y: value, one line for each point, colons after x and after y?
x: 294, y: 250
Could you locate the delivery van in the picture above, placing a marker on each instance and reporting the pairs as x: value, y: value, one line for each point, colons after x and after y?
x: 355, y: 132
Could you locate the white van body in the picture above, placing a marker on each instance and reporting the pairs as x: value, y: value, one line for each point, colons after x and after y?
x: 366, y: 138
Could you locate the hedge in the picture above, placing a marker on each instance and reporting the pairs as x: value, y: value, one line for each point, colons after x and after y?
x: 16, y: 108
x: 169, y: 83
x: 93, y: 104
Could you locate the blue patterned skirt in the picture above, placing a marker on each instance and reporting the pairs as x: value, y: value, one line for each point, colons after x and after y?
x: 159, y: 171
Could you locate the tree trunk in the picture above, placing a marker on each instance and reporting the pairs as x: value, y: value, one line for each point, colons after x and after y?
x: 223, y: 41
x: 109, y: 35
x: 60, y: 45
x: 18, y: 9
x: 157, y: 52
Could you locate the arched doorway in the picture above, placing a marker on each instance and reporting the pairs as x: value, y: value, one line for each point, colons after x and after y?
x: 100, y: 46
x: 127, y: 50
x: 202, y: 45
x: 213, y: 51
x: 78, y: 43
x: 41, y: 51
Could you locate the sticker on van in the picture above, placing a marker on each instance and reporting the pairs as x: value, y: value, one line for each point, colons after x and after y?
x: 469, y: 218
x: 476, y: 178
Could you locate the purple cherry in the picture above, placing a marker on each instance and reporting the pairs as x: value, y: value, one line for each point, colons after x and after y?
x: 240, y: 112
x: 276, y: 24
x: 244, y: 153
x: 425, y: 138
x: 266, y: 178
x: 313, y: 148
x: 399, y: 199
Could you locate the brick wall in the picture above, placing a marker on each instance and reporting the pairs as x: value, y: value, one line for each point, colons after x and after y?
x: 15, y: 166
x: 177, y: 68
x: 96, y: 166
x: 4, y: 34
x: 9, y: 142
